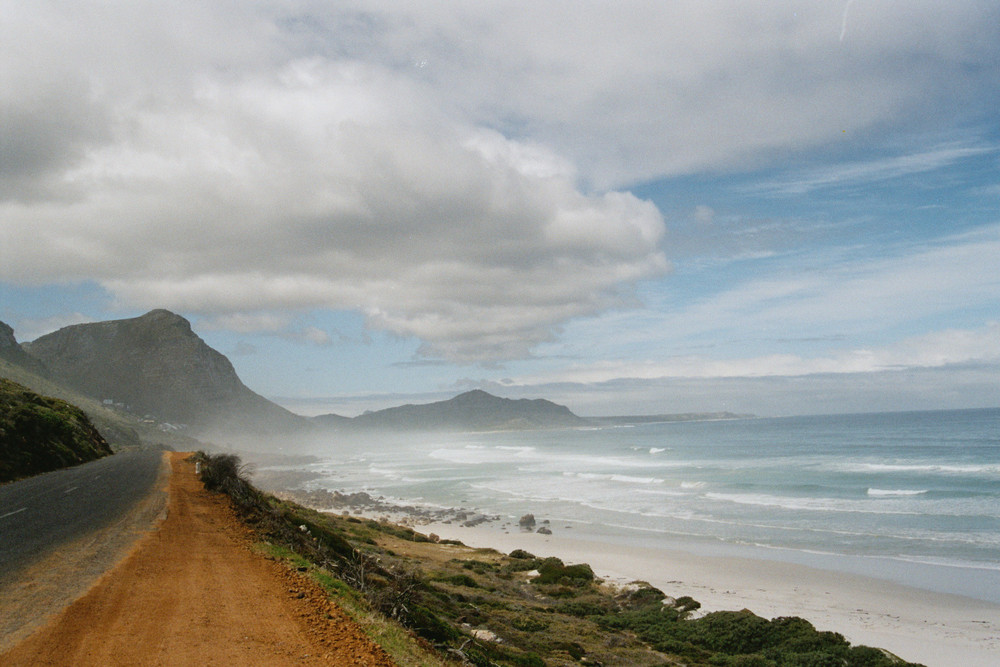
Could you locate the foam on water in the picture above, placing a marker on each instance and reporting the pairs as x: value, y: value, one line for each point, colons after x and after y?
x: 883, y: 493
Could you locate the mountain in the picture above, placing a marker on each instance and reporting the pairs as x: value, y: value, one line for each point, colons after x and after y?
x: 472, y: 411
x: 12, y: 352
x: 39, y: 434
x: 119, y: 429
x: 155, y: 366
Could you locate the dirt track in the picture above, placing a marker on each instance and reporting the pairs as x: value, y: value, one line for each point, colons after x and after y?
x: 192, y: 593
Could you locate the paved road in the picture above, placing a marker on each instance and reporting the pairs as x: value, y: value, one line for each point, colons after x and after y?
x: 41, y: 513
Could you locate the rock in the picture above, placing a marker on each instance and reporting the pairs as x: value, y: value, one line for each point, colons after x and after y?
x: 486, y: 635
x: 543, y: 531
x: 475, y: 520
x: 527, y: 522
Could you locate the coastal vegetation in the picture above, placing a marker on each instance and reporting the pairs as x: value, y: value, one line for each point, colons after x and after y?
x: 40, y: 433
x: 451, y: 604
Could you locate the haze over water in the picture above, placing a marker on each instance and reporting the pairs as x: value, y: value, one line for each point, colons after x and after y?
x: 911, y: 497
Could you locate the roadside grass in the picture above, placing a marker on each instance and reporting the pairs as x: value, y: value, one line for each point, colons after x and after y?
x: 405, y: 649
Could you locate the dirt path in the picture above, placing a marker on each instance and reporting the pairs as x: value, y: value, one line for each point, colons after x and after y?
x: 192, y: 593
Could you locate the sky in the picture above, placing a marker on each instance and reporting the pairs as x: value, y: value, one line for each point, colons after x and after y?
x: 780, y: 207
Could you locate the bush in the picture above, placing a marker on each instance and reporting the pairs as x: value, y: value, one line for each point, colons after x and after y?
x: 553, y: 571
x: 227, y: 474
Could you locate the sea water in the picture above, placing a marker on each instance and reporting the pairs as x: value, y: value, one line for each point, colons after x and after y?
x: 912, y: 497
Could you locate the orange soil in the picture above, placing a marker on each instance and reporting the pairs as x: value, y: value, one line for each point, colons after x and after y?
x: 193, y: 593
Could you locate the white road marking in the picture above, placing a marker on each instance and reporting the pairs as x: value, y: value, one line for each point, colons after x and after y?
x: 72, y: 488
x: 14, y: 512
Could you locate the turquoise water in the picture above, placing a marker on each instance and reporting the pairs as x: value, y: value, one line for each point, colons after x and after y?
x: 913, y: 497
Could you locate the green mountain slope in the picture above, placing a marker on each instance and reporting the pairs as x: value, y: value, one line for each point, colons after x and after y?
x: 40, y: 433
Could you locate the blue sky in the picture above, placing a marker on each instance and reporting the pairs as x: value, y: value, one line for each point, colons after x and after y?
x: 777, y: 208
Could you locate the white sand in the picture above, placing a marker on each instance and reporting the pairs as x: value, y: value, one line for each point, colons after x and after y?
x: 935, y: 629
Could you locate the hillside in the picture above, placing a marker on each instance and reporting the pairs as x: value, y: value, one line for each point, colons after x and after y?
x: 472, y: 411
x: 39, y: 434
x: 12, y: 353
x: 155, y: 366
x: 119, y: 429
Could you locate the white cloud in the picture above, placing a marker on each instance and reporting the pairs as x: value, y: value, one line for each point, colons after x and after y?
x: 631, y: 93
x: 704, y: 214
x: 446, y: 169
x: 815, y: 294
x: 937, y: 388
x: 339, y: 186
x: 865, y: 173
x: 316, y: 336
x: 246, y: 323
x: 936, y: 349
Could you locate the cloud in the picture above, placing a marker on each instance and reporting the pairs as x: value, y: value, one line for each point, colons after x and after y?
x: 936, y: 388
x: 704, y: 214
x: 670, y: 88
x: 865, y: 173
x: 840, y: 290
x: 450, y: 171
x: 315, y: 336
x: 337, y: 185
x: 246, y: 323
x: 932, y: 350
x: 809, y: 316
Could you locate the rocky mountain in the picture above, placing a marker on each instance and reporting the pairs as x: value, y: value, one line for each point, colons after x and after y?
x: 472, y: 411
x: 156, y: 366
x: 40, y: 433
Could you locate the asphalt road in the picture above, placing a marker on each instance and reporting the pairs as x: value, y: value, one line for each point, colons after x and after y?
x: 41, y: 513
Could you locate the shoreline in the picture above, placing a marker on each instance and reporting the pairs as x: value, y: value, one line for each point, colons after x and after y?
x: 936, y: 629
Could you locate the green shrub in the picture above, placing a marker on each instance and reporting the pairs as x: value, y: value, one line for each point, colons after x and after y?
x: 553, y: 571
x: 460, y: 580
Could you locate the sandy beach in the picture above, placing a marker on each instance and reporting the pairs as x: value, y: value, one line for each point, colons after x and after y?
x: 935, y: 629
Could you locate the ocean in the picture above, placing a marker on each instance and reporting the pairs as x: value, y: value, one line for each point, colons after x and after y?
x: 910, y: 497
